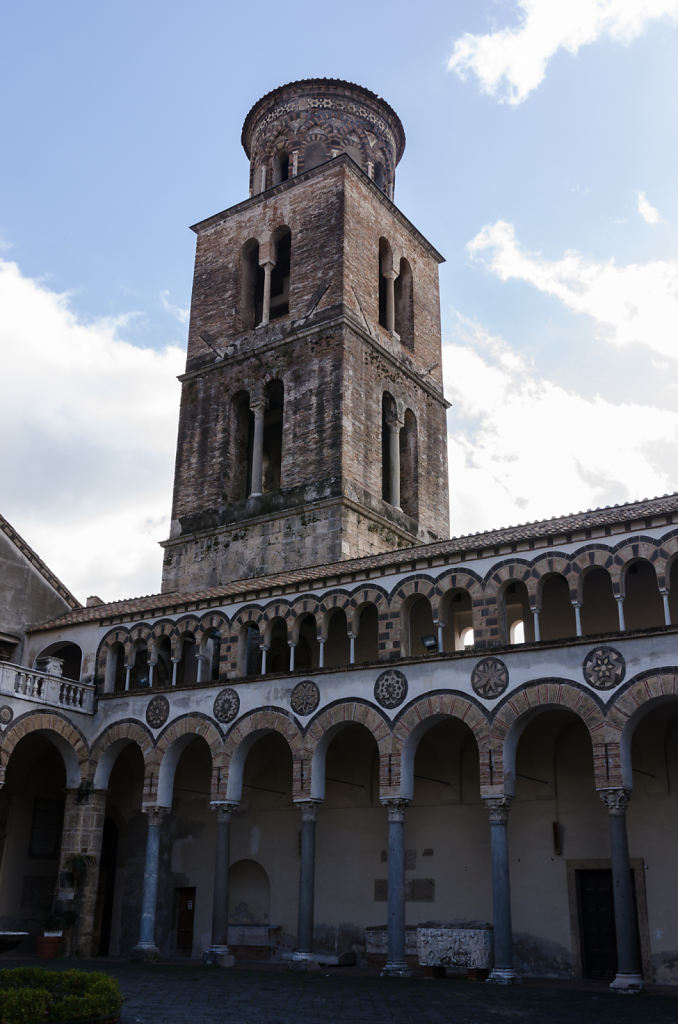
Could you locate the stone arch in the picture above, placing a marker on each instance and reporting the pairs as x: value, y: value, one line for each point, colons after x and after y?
x: 456, y: 579
x: 68, y: 740
x: 242, y: 738
x: 141, y: 631
x: 331, y: 720
x: 169, y: 747
x: 418, y: 717
x: 308, y: 604
x: 362, y: 596
x: 109, y: 743
x: 553, y: 564
x: 593, y: 556
x: 279, y: 609
x: 119, y: 635
x: 639, y: 549
x: 514, y: 713
x: 162, y: 628
x: 631, y: 703
x: 514, y: 569
x: 330, y: 602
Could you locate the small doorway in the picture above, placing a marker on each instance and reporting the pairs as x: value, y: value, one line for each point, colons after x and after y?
x: 185, y: 903
x: 595, y: 901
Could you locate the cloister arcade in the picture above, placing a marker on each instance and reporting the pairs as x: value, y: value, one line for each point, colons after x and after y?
x: 252, y: 793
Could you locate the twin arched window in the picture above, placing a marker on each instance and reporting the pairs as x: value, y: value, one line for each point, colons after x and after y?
x: 396, y: 300
x: 265, y: 279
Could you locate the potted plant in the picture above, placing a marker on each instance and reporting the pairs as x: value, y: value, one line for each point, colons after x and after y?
x: 47, y: 944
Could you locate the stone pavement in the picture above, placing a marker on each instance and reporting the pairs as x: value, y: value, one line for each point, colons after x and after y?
x: 189, y: 993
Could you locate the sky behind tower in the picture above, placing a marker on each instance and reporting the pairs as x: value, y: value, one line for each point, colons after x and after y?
x: 540, y: 160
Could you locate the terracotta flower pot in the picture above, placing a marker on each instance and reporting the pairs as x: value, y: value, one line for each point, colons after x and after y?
x: 47, y: 946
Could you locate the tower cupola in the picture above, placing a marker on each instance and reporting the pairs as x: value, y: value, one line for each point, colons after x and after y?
x: 303, y: 124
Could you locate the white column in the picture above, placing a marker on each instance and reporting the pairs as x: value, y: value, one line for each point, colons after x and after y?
x: 390, y: 276
x: 257, y: 449
x: 440, y: 626
x: 264, y: 652
x: 351, y: 648
x: 151, y: 666
x: 128, y: 670
x: 577, y: 617
x: 175, y: 663
x: 535, y: 619
x: 620, y: 610
x: 667, y: 610
x: 321, y: 652
x: 198, y: 675
x: 292, y: 645
x: 266, y: 310
x: 394, y: 428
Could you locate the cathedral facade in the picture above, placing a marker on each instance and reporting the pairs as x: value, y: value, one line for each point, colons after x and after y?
x: 333, y: 725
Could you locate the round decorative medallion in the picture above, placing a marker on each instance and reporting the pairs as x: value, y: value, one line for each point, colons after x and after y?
x: 157, y: 712
x: 305, y: 697
x: 390, y: 688
x: 489, y: 678
x: 6, y: 714
x: 226, y: 705
x: 604, y: 668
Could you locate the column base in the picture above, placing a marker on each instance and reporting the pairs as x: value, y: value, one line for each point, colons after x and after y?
x: 146, y: 951
x: 394, y: 969
x: 218, y: 956
x: 302, y: 961
x: 628, y: 983
x: 501, y: 976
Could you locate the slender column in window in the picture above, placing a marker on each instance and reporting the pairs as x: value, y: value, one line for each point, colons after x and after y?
x: 396, y: 963
x: 151, y: 667
x: 535, y: 619
x: 128, y: 672
x: 577, y: 617
x: 667, y: 609
x: 309, y: 813
x: 146, y: 948
x: 620, y: 610
x: 502, y: 972
x: 394, y: 428
x: 390, y: 276
x: 321, y: 652
x: 292, y: 646
x: 219, y: 950
x: 268, y: 266
x: 440, y: 627
x: 257, y: 449
x: 264, y: 652
x: 629, y: 970
x: 175, y: 662
x: 351, y: 648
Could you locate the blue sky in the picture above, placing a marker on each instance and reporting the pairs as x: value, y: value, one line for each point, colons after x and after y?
x: 541, y: 158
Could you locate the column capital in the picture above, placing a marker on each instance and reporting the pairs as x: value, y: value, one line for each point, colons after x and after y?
x: 498, y: 808
x: 390, y: 275
x: 224, y: 808
x: 309, y: 809
x: 155, y: 814
x: 395, y: 807
x: 267, y: 262
x: 395, y: 422
x: 616, y: 800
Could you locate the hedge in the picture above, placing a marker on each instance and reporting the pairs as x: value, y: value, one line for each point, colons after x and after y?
x: 30, y: 995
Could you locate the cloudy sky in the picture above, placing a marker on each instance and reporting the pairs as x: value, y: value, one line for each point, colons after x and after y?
x: 541, y: 160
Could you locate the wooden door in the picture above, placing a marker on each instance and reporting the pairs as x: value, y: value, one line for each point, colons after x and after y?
x: 596, y: 923
x: 185, y: 914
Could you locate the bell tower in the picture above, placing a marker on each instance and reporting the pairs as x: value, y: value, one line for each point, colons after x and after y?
x: 312, y: 423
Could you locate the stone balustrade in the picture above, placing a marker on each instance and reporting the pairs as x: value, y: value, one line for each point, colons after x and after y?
x: 43, y: 688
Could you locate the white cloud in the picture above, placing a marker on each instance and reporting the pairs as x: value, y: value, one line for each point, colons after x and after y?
x: 178, y: 312
x: 511, y: 62
x: 89, y: 429
x: 647, y: 211
x: 632, y: 304
x: 524, y: 448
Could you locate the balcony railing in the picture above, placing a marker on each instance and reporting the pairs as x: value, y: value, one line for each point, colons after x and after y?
x: 43, y: 688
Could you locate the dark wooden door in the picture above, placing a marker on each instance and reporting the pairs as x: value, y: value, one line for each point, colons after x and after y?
x: 596, y: 920
x: 185, y: 915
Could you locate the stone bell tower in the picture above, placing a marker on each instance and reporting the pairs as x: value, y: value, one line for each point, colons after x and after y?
x: 312, y: 424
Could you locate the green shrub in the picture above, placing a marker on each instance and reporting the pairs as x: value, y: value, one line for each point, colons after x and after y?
x: 31, y: 995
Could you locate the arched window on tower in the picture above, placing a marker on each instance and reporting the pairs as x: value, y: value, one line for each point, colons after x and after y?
x: 280, y: 275
x: 409, y: 466
x: 273, y: 436
x: 251, y: 285
x: 281, y: 166
x: 379, y: 176
x: 404, y: 305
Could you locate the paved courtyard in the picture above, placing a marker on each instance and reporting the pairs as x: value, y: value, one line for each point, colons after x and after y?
x: 192, y: 994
